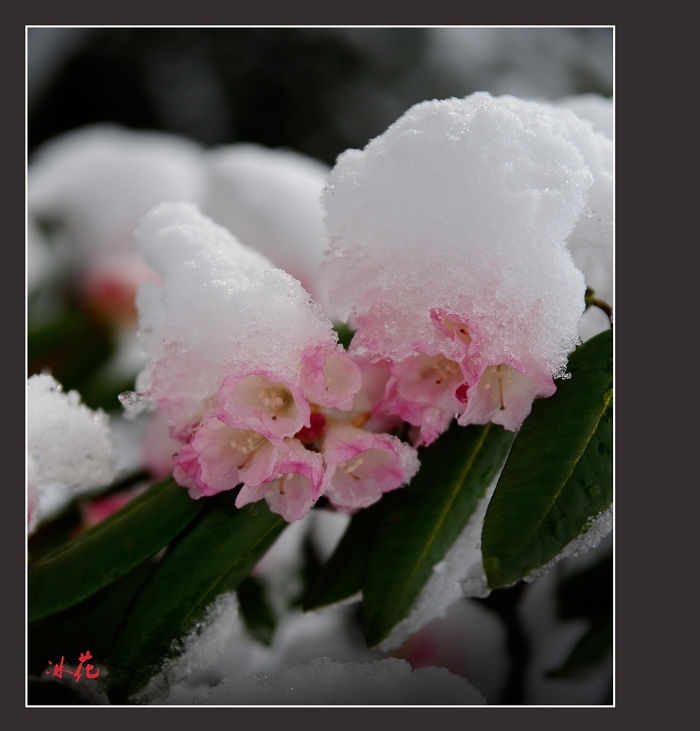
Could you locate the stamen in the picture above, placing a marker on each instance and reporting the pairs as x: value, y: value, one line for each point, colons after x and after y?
x: 500, y: 387
x: 251, y: 444
x: 442, y: 367
x: 274, y: 399
x: 361, y: 419
x: 351, y: 465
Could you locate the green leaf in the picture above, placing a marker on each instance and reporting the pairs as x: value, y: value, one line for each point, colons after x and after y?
x: 342, y: 575
x: 210, y: 558
x: 90, y: 625
x: 256, y: 610
x: 558, y: 476
x: 425, y: 518
x: 110, y: 549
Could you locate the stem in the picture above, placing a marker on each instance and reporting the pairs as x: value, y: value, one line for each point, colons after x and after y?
x: 591, y: 299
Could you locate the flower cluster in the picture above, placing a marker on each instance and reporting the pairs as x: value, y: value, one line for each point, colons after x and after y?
x: 249, y: 374
x: 448, y: 254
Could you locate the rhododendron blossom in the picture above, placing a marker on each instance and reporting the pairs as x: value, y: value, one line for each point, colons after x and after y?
x: 297, y: 482
x: 219, y: 457
x: 259, y: 401
x: 448, y: 255
x: 248, y: 372
x: 364, y: 465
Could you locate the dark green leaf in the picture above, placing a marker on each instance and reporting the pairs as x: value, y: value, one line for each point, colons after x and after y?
x: 109, y: 550
x: 89, y: 625
x: 256, y: 610
x: 425, y: 518
x: 210, y: 558
x: 343, y: 573
x: 558, y: 476
x: 55, y: 533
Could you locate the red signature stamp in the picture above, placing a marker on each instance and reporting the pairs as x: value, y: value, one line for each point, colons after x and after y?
x: 90, y: 671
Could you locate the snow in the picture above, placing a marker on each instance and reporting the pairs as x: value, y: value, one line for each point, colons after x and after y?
x: 464, y: 205
x: 325, y: 682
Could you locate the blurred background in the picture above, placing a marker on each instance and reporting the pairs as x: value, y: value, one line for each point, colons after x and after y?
x: 315, y: 90
x: 231, y: 104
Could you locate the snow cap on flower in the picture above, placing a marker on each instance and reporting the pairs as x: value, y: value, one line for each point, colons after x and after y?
x: 224, y: 329
x: 591, y: 242
x: 69, y: 446
x: 270, y: 200
x: 464, y: 205
x: 448, y: 240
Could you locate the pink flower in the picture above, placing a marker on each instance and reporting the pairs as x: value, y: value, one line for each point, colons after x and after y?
x: 298, y: 483
x: 329, y: 377
x: 493, y: 189
x: 504, y: 394
x: 259, y: 401
x: 220, y: 457
x: 362, y: 465
x: 422, y: 391
x: 250, y: 376
x: 310, y: 434
x: 366, y: 412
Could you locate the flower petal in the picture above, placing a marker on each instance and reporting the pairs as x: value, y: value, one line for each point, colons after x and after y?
x: 504, y: 395
x: 260, y: 402
x: 364, y: 465
x: 329, y: 377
